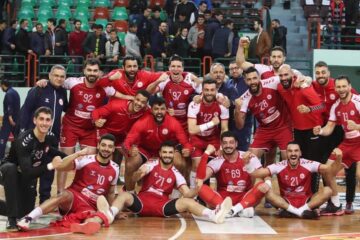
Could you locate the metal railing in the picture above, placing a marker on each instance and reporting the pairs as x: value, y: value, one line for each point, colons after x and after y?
x: 14, y: 68
x: 344, y: 41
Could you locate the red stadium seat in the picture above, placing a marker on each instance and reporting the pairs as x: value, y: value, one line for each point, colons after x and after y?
x: 121, y: 25
x: 101, y: 12
x: 121, y: 3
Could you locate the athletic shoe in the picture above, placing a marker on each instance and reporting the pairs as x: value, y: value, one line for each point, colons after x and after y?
x: 310, y: 214
x: 103, y: 207
x: 87, y: 228
x: 331, y: 210
x: 222, y: 210
x: 349, y: 209
x: 285, y: 214
x: 247, y: 212
x: 24, y: 223
x: 11, y: 225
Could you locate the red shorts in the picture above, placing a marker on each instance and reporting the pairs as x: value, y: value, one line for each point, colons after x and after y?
x: 152, y: 204
x: 298, y: 200
x: 200, y: 145
x: 70, y: 135
x: 79, y: 203
x: 269, y: 138
x: 350, y: 151
x: 236, y: 197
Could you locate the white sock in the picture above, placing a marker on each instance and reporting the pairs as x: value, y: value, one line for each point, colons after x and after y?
x: 208, y: 213
x: 36, y: 213
x: 114, y: 210
x: 294, y: 210
x: 335, y: 200
x: 192, y: 179
x: 237, y: 208
x: 303, y: 208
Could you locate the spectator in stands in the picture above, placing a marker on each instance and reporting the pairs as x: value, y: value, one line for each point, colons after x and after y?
x: 132, y: 42
x: 336, y: 20
x: 37, y: 43
x: 203, y: 6
x: 208, y: 3
x: 2, y: 29
x: 136, y: 9
x: 159, y: 41
x: 144, y: 30
x: 180, y: 45
x: 211, y: 26
x: 186, y: 7
x: 196, y: 38
x: 279, y: 34
x: 263, y: 40
x: 107, y: 31
x: 113, y: 49
x: 22, y: 39
x: 180, y: 22
x: 223, y: 40
x: 61, y: 38
x: 94, y: 44
x: 76, y: 38
x: 207, y: 15
x: 50, y: 38
x: 155, y: 19
x: 8, y: 39
x: 351, y: 20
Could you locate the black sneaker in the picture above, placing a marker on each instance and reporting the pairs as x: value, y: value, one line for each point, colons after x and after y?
x: 349, y: 209
x: 285, y: 214
x: 11, y: 225
x: 310, y: 214
x: 332, y: 210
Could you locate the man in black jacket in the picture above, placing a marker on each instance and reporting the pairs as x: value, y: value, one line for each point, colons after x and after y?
x: 279, y: 34
x: 94, y: 43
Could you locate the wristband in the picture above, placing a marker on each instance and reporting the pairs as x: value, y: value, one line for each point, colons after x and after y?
x: 268, y: 182
x: 205, y: 126
x: 50, y: 166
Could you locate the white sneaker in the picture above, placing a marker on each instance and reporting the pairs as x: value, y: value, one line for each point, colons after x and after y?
x: 222, y: 210
x: 103, y: 207
x: 24, y: 223
x: 247, y: 212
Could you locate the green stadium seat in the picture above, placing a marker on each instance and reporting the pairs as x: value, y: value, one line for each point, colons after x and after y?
x: 45, y: 12
x: 63, y: 13
x: 101, y: 3
x: 163, y: 15
x: 85, y: 25
x: 28, y: 2
x: 83, y: 3
x: 66, y: 3
x: 101, y: 21
x: 82, y: 12
x: 120, y: 13
x: 26, y: 12
x: 52, y: 3
x: 121, y: 36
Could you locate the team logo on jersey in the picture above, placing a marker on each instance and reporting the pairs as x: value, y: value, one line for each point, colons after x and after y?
x: 100, y: 191
x: 169, y: 180
x: 36, y: 164
x: 186, y: 92
x: 81, y: 93
x: 286, y: 177
x: 90, y: 108
x: 80, y: 106
x: 92, y: 173
x: 165, y: 131
x: 140, y: 84
x: 97, y: 95
x: 332, y: 96
x: 110, y: 178
x: 61, y: 102
x: 352, y: 112
x: 47, y: 100
x: 269, y: 96
x: 302, y: 176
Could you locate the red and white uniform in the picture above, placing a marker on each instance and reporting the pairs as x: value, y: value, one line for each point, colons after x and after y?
x: 265, y: 71
x: 91, y: 180
x: 118, y: 118
x: 295, y: 184
x: 231, y: 177
x: 142, y: 80
x: 77, y: 123
x: 158, y: 184
x: 178, y: 96
x: 271, y: 112
x: 204, y: 113
x: 147, y: 135
x: 341, y: 113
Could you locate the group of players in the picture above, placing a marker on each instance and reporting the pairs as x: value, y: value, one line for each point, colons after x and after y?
x: 167, y: 125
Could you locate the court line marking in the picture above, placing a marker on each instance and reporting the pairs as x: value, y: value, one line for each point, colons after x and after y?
x: 32, y: 237
x: 330, y: 234
x: 182, y: 228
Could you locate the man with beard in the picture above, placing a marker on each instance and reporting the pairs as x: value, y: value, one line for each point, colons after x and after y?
x: 203, y: 121
x: 265, y: 103
x: 345, y: 112
x: 95, y: 175
x: 294, y: 178
x: 325, y: 88
x: 232, y: 179
x: 306, y: 110
x: 153, y: 199
x: 143, y: 141
x: 129, y: 80
x: 177, y: 89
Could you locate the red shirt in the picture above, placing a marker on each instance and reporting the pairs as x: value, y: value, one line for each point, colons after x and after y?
x: 118, y: 118
x: 147, y: 134
x: 75, y: 43
x: 265, y: 71
x: 308, y: 97
x: 93, y: 179
x: 142, y: 80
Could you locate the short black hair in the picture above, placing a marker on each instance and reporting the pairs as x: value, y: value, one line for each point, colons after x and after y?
x: 130, y: 58
x: 76, y: 21
x: 202, y: 2
x: 228, y: 22
x: 278, y: 48
x: 92, y: 62
x: 45, y: 110
x: 13, y: 22
x: 208, y: 81
x: 250, y: 70
x: 62, y: 21
x: 343, y: 77
x: 5, y: 82
x: 201, y: 16
x: 157, y: 101
x: 294, y: 142
x: 156, y: 9
x: 276, y: 20
x: 228, y: 134
x: 52, y: 20
x: 38, y: 24
x: 22, y: 21
x: 168, y: 143
x: 259, y: 21
x: 108, y: 136
x: 321, y: 64
x: 176, y: 57
x: 144, y: 93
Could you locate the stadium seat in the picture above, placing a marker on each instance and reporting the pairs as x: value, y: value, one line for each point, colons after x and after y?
x: 102, y: 3
x: 101, y: 12
x: 160, y: 3
x: 119, y: 3
x: 121, y: 25
x: 66, y: 3
x: 28, y: 2
x: 45, y: 12
x: 85, y: 25
x: 163, y: 15
x: 26, y: 12
x: 120, y: 13
x: 101, y: 21
x: 52, y: 3
x: 86, y: 3
x: 82, y: 12
x: 63, y: 13
x: 121, y: 36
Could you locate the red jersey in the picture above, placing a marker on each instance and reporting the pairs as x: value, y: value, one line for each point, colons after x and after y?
x: 265, y: 71
x: 93, y: 179
x: 83, y: 101
x: 149, y: 135
x: 307, y: 96
x: 75, y: 43
x: 204, y: 113
x: 178, y: 95
x: 231, y: 177
x: 294, y: 183
x: 161, y: 181
x: 268, y: 107
x: 118, y: 118
x: 341, y: 113
x: 142, y: 80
